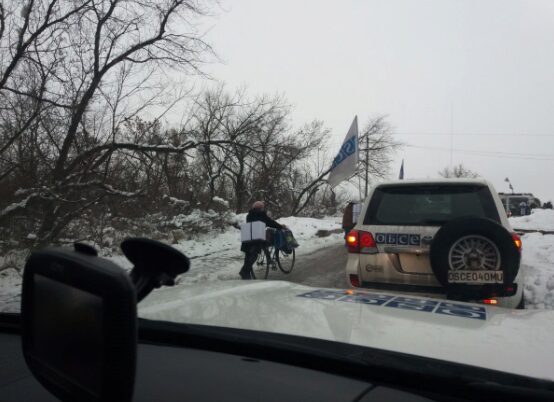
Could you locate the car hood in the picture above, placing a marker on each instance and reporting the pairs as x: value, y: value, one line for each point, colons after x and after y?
x: 513, y: 341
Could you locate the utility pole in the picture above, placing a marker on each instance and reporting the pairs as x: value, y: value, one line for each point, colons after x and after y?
x: 451, y: 131
x: 366, y: 164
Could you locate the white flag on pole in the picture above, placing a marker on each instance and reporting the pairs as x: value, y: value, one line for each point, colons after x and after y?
x: 345, y: 163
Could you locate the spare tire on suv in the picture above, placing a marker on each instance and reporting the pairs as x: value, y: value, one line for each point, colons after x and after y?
x: 474, y: 258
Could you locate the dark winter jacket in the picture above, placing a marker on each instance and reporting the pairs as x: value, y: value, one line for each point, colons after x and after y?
x: 260, y: 215
x: 348, y: 217
x: 255, y: 215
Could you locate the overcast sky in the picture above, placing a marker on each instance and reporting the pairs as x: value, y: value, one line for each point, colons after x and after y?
x: 481, y: 69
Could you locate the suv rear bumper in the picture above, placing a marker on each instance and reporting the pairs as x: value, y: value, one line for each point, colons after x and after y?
x: 483, y: 292
x: 506, y: 299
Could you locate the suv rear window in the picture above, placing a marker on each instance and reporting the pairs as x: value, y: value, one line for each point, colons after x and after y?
x: 429, y: 204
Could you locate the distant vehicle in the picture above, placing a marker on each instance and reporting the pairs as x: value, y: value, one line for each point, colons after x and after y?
x: 512, y: 201
x: 449, y: 237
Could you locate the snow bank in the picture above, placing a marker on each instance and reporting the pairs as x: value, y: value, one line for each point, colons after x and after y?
x: 221, y: 201
x: 10, y: 280
x: 538, y: 263
x: 10, y: 290
x: 214, y: 256
x: 540, y: 219
x: 537, y: 258
x: 14, y: 206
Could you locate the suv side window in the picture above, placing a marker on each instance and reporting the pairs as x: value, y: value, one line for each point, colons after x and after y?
x: 429, y: 204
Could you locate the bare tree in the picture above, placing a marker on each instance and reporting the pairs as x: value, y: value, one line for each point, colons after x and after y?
x: 459, y: 171
x: 74, y: 63
x: 377, y: 147
x: 78, y: 77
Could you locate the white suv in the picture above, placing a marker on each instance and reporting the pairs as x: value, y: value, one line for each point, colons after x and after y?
x: 449, y: 238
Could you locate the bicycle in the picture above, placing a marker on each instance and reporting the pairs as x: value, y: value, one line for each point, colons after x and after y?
x: 271, y: 257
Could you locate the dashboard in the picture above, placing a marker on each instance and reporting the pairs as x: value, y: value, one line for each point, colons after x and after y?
x: 166, y: 373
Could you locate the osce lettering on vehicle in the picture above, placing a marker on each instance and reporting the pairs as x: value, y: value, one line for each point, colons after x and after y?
x: 476, y: 277
x: 324, y: 294
x: 400, y: 239
x: 367, y: 298
x: 415, y: 240
x: 461, y: 310
x: 408, y: 303
x: 399, y: 302
x: 403, y: 239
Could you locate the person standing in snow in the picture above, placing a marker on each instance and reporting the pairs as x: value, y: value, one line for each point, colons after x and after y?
x: 252, y: 249
x: 348, y: 218
x: 523, y: 208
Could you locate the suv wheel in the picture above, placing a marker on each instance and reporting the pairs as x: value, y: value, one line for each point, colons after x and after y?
x: 473, y: 256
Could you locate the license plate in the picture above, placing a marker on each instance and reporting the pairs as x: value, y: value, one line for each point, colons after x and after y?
x: 476, y: 277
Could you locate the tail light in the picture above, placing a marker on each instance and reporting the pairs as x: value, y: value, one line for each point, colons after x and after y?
x: 517, y: 240
x: 490, y: 301
x: 354, y: 280
x: 362, y: 242
x: 352, y: 241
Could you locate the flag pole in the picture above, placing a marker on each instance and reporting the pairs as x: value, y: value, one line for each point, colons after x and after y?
x: 359, y: 187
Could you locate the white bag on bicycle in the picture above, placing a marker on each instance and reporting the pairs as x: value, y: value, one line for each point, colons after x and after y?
x: 252, y: 231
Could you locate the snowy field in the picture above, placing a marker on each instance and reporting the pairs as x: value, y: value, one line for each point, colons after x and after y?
x: 217, y: 256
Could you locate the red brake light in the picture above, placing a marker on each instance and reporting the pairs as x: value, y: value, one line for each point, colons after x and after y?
x: 359, y: 241
x: 366, y: 240
x: 490, y: 301
x: 517, y: 240
x: 354, y: 280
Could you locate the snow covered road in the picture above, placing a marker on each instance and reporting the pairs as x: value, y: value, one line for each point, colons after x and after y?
x: 322, y: 268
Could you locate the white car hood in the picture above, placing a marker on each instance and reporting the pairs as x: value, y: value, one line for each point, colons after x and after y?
x: 514, y: 341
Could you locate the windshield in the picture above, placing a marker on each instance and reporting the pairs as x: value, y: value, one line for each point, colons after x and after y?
x: 250, y: 135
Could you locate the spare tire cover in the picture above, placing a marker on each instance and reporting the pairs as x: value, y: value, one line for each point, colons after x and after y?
x: 469, y: 252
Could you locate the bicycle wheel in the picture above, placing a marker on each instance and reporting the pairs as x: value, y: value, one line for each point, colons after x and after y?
x: 260, y: 269
x: 285, y: 261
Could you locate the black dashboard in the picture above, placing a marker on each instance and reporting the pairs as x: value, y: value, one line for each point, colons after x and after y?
x: 167, y: 373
